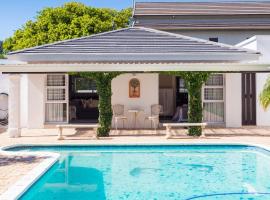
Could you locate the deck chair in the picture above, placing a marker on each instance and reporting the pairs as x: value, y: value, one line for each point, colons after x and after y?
x: 4, y: 118
x: 118, y: 114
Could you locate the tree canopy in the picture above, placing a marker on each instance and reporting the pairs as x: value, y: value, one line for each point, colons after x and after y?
x: 69, y: 21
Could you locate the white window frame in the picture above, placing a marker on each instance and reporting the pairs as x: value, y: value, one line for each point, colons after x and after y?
x: 215, y: 101
x: 66, y: 101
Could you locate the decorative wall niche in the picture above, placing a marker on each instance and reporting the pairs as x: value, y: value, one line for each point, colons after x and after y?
x: 134, y: 88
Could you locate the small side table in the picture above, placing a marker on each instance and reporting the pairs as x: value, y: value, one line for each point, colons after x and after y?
x: 135, y: 115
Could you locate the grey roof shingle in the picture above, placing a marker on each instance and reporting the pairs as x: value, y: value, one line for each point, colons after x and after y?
x: 130, y: 44
x: 202, y: 8
x: 200, y: 23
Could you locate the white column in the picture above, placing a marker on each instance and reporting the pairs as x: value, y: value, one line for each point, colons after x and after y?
x: 14, y: 126
x: 233, y: 100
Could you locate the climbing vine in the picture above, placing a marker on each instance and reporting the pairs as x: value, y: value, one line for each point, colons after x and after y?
x: 104, y: 90
x: 194, y: 82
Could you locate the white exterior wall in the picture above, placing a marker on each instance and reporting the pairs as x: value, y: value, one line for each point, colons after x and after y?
x: 233, y: 100
x: 32, y: 100
x: 260, y: 43
x: 24, y: 100
x: 3, y: 83
x: 263, y: 46
x: 263, y: 116
x: 149, y: 95
x: 226, y: 37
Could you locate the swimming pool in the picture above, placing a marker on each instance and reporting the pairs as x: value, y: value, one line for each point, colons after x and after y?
x: 186, y: 172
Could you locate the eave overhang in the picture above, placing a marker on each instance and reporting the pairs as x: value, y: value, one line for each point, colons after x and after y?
x: 135, y: 57
x: 133, y: 67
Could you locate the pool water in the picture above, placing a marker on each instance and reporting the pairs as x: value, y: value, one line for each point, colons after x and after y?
x: 199, y: 172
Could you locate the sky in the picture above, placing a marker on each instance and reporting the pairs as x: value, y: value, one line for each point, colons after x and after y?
x: 14, y: 13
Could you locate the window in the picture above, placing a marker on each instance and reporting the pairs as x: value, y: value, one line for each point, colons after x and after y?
x: 56, y: 102
x: 213, y: 39
x: 213, y: 99
x: 84, y: 85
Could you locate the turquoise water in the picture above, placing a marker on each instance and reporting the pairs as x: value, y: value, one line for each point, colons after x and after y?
x: 199, y: 172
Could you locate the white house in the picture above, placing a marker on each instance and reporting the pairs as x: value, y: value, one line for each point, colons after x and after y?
x: 225, y: 22
x: 174, y: 37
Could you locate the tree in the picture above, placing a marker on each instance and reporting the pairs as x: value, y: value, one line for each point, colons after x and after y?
x: 1, y: 50
x: 69, y: 21
x: 73, y: 20
x: 265, y: 95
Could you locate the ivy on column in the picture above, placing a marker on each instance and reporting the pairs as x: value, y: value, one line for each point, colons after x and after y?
x: 194, y: 82
x: 104, y: 89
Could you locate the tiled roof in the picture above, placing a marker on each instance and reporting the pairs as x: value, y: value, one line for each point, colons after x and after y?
x: 201, y: 8
x: 207, y: 24
x: 131, y: 44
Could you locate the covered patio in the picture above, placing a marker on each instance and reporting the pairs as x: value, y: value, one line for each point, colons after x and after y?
x: 126, y: 54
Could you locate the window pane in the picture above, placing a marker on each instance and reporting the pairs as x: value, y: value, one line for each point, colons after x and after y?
x: 213, y: 112
x: 55, y: 80
x: 215, y: 80
x: 56, y: 112
x: 55, y: 94
x: 84, y: 85
x: 213, y: 93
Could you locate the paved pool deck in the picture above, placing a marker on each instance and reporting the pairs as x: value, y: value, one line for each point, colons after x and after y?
x: 14, y: 167
x: 18, y: 167
x: 218, y: 135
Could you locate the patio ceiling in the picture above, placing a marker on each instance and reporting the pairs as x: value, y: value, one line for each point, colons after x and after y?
x: 134, y: 44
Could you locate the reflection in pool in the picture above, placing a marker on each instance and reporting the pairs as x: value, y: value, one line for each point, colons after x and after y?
x: 200, y: 172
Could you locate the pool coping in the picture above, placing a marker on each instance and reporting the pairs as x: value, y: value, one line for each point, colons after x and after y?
x: 21, y: 186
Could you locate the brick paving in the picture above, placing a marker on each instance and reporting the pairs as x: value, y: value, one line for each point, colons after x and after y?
x: 12, y: 168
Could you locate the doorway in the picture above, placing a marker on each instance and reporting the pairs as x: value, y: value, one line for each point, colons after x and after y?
x: 248, y: 99
x: 83, y: 100
x: 173, y: 97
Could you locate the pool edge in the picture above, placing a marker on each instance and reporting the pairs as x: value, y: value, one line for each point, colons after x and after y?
x: 21, y: 186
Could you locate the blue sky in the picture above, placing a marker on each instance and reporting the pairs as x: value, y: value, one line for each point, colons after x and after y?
x: 14, y: 13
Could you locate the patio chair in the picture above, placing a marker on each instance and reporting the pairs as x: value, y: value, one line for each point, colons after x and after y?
x: 154, y: 118
x: 4, y: 117
x: 118, y: 114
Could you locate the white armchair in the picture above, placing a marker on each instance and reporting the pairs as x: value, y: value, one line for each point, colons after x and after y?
x: 118, y: 115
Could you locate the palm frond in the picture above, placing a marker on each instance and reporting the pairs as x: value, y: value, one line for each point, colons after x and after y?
x: 265, y: 95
